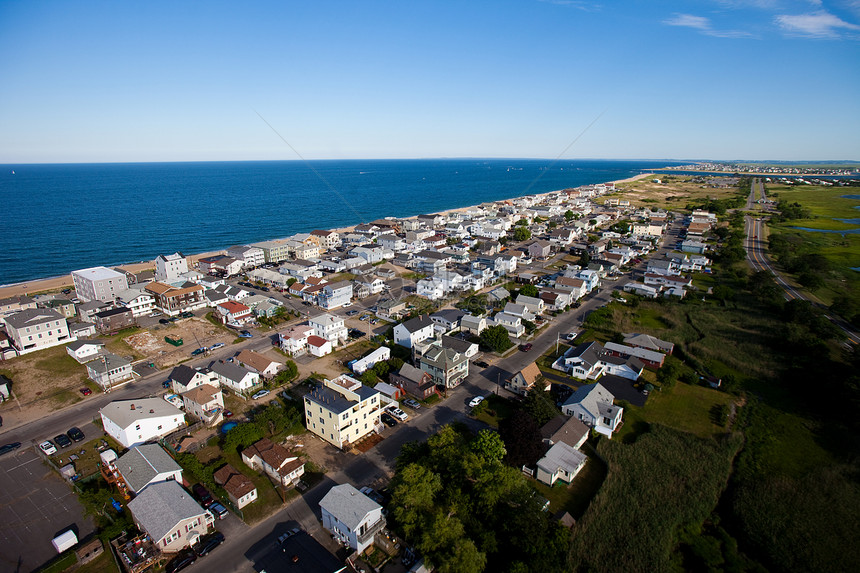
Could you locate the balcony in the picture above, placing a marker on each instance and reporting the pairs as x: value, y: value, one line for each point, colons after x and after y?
x: 371, y: 531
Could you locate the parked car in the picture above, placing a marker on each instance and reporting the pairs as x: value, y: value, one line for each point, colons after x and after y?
x: 476, y: 401
x: 216, y: 345
x: 228, y: 413
x: 182, y: 560
x: 260, y: 394
x: 86, y: 391
x: 288, y: 534
x: 199, y: 351
x: 388, y: 420
x: 165, y: 384
x: 412, y: 403
x: 352, y: 312
x: 75, y: 434
x: 397, y: 413
x: 482, y: 364
x: 186, y: 314
x: 572, y: 335
x: 5, y: 449
x: 218, y: 510
x: 164, y: 321
x: 48, y: 447
x: 62, y: 440
x: 245, y: 334
x: 208, y: 543
x: 526, y: 347
x: 202, y: 494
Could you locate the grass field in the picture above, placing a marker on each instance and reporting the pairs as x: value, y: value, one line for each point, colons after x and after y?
x: 683, y: 407
x: 825, y: 203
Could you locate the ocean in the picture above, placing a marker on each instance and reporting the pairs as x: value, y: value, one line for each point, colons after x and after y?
x: 62, y: 217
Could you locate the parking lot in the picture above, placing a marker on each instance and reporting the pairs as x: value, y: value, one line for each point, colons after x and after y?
x: 33, y: 500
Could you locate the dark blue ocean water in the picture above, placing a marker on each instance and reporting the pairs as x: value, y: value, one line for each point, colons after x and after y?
x: 58, y: 218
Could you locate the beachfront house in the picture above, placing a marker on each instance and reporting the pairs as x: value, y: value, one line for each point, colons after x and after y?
x: 34, y: 329
x: 99, y: 283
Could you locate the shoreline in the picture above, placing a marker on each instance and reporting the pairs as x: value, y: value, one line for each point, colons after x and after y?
x: 50, y: 284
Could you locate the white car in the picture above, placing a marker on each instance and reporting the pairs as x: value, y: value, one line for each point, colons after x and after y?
x: 476, y: 401
x: 47, y: 447
x: 260, y: 394
x: 397, y: 413
x: 216, y: 345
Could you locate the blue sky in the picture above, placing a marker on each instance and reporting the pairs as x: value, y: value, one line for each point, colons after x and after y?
x: 173, y: 81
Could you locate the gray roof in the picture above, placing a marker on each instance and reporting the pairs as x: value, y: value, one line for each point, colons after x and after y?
x: 122, y: 414
x: 229, y: 370
x: 183, y: 374
x: 417, y: 323
x: 457, y: 344
x: 589, y: 352
x: 561, y: 456
x: 452, y: 315
x: 411, y: 373
x: 107, y: 362
x: 142, y: 464
x: 648, y: 341
x: 80, y: 343
x: 563, y: 429
x: 590, y: 397
x: 348, y: 505
x: 162, y: 506
x: 335, y: 401
x: 32, y: 316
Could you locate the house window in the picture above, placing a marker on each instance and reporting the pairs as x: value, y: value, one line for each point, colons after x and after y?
x: 607, y: 421
x: 137, y: 427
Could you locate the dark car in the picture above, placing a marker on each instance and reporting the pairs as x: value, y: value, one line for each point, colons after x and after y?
x: 208, y: 543
x: 165, y: 384
x: 218, y: 510
x: 182, y: 560
x: 62, y: 440
x: 202, y: 494
x: 198, y: 351
x: 187, y: 314
x: 9, y: 448
x: 164, y: 320
x: 75, y: 434
x: 388, y: 420
x: 526, y: 347
x: 482, y: 364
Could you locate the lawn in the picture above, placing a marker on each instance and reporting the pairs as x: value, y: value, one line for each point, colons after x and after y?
x: 494, y: 409
x: 825, y: 203
x: 683, y: 407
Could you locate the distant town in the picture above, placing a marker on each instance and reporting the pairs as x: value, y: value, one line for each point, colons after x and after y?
x: 765, y: 169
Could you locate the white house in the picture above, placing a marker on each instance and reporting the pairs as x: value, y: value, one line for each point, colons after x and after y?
x: 361, y: 365
x: 413, y: 330
x: 84, y: 350
x: 239, y: 487
x: 275, y: 460
x: 319, y: 346
x: 593, y: 405
x: 183, y: 378
x: 138, y: 301
x: 351, y: 516
x: 295, y: 340
x: 147, y: 464
x: 561, y: 462
x: 168, y: 268
x: 135, y: 422
x: 330, y: 327
x: 99, y: 283
x: 512, y: 323
x: 109, y: 370
x: 335, y: 295
x: 256, y: 362
x: 234, y: 376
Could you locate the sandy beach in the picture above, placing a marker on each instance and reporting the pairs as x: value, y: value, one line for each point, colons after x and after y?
x: 62, y: 282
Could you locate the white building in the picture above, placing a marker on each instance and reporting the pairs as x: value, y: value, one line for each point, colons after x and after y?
x: 250, y: 256
x: 170, y: 516
x: 145, y: 465
x: 593, y: 405
x: 413, y: 330
x: 109, y: 370
x: 33, y: 329
x: 169, y: 267
x: 138, y: 301
x: 234, y: 377
x: 135, y: 422
x: 361, y: 365
x: 351, y: 516
x: 330, y: 327
x: 99, y: 283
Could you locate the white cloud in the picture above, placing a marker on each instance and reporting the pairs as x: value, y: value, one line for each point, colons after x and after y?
x: 819, y: 24
x: 703, y: 25
x: 689, y: 21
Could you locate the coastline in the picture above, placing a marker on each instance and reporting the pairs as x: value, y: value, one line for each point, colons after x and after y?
x: 50, y: 284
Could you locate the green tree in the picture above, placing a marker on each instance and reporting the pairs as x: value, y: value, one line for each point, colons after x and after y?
x: 523, y: 440
x: 242, y: 436
x: 489, y: 445
x: 522, y: 234
x: 529, y: 290
x: 539, y: 405
x: 569, y: 216
x: 496, y: 338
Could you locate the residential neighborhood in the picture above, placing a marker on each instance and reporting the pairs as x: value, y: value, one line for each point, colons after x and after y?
x: 320, y: 346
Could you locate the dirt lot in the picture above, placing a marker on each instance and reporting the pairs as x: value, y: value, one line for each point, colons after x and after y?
x: 195, y: 332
